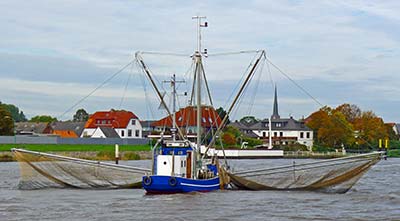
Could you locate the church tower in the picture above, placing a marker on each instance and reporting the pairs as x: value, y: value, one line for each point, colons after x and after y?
x: 275, y: 114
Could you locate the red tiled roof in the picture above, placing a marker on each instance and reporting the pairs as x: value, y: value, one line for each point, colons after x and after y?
x: 113, y: 118
x: 188, y: 117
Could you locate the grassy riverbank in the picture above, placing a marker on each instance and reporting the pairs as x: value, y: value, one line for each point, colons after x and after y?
x: 73, y: 147
x: 83, y: 151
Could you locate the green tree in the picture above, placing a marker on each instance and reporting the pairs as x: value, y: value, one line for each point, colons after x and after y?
x: 221, y: 113
x: 17, y: 115
x: 43, y: 118
x: 81, y: 115
x: 6, y: 122
x: 248, y: 120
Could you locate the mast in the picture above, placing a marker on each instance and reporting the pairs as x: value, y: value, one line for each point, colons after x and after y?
x: 198, y: 73
x: 173, y: 108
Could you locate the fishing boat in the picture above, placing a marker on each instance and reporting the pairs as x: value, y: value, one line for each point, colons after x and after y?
x: 182, y: 165
x: 177, y: 165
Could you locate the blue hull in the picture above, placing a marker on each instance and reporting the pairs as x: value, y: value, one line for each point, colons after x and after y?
x: 168, y: 184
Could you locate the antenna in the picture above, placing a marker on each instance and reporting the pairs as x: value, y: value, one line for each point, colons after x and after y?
x: 199, y: 26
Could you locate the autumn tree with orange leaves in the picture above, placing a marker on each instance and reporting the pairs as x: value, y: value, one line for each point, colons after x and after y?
x: 346, y: 125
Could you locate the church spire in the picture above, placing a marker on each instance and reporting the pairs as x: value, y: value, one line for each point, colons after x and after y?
x: 275, y: 114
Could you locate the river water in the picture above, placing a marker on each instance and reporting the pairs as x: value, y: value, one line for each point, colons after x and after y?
x: 375, y: 197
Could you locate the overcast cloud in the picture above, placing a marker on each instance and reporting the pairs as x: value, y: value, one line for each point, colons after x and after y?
x: 52, y: 53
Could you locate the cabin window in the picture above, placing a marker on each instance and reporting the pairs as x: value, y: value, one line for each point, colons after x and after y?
x: 137, y: 133
x: 301, y: 135
x: 122, y: 133
x: 133, y: 122
x: 281, y: 134
x: 308, y: 134
x: 129, y: 133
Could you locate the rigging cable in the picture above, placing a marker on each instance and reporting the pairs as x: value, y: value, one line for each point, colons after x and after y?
x: 308, y: 94
x: 95, y: 89
x: 126, y: 87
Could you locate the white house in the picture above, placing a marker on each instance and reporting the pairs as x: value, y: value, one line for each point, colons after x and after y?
x: 284, y: 130
x: 125, y: 124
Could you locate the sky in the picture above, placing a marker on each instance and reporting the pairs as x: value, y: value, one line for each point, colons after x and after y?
x: 54, y: 53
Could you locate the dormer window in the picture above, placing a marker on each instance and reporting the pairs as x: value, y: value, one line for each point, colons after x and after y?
x: 278, y: 125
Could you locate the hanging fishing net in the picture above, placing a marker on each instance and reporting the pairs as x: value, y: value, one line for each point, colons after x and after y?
x: 41, y: 170
x: 334, y: 175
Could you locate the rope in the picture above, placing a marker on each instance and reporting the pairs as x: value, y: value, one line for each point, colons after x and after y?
x: 126, y: 87
x: 94, y: 90
x: 312, y: 97
x: 164, y: 53
x: 234, y: 53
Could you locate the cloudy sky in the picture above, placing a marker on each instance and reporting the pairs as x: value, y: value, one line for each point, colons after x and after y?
x: 53, y: 53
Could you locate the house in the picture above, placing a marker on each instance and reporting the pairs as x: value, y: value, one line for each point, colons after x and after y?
x: 125, y: 123
x: 67, y: 129
x: 105, y: 132
x: 284, y: 130
x: 32, y: 128
x: 186, y: 119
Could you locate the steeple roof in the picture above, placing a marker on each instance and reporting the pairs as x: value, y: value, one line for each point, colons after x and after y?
x: 275, y: 114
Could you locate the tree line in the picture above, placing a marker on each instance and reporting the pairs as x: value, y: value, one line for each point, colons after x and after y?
x: 11, y: 114
x: 347, y: 125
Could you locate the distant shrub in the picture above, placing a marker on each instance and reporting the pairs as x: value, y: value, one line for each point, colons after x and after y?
x: 228, y: 139
x: 131, y: 156
x: 318, y: 148
x: 252, y: 141
x: 105, y: 155
x: 295, y: 147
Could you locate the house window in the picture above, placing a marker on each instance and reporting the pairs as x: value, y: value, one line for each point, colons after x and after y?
x: 129, y: 133
x: 203, y: 119
x: 275, y: 134
x: 97, y: 121
x: 122, y: 133
x: 278, y: 125
x: 137, y: 133
x: 301, y: 135
x: 103, y: 122
x: 180, y: 118
x: 210, y: 119
x: 281, y: 134
x: 133, y: 122
x: 308, y: 134
x: 264, y: 134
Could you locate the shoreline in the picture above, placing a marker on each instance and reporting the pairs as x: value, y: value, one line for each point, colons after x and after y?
x: 7, y: 156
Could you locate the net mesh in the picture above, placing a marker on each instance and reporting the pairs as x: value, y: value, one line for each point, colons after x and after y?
x: 46, y: 170
x: 337, y: 175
